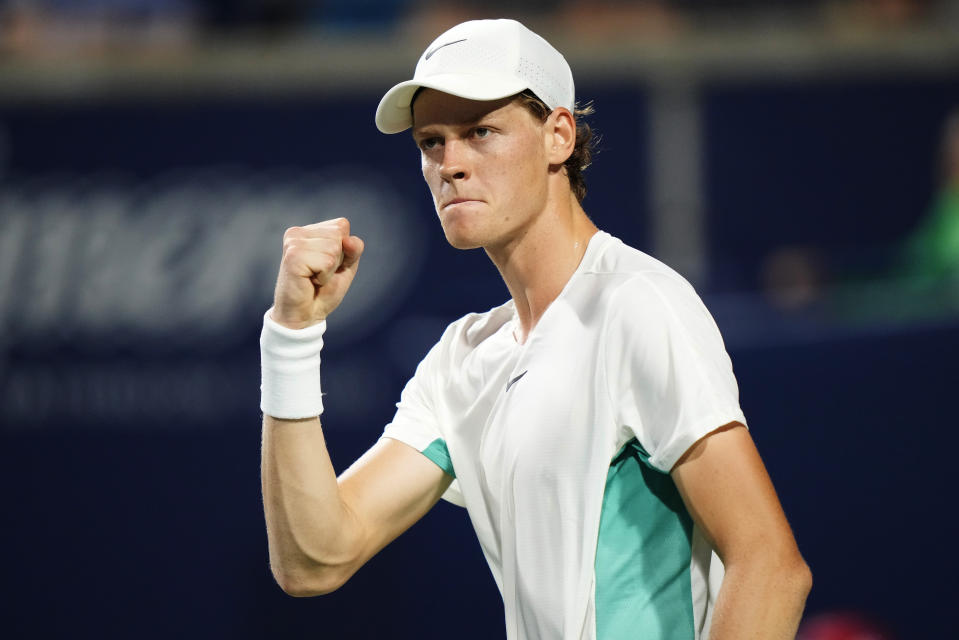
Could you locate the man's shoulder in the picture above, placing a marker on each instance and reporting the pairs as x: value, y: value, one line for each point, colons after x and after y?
x: 636, y: 298
x: 625, y: 272
x: 474, y: 328
x: 616, y: 257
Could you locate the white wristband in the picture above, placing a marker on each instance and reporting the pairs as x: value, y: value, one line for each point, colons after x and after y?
x: 290, y: 369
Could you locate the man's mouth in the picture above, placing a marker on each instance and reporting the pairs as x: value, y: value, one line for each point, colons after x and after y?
x: 457, y: 201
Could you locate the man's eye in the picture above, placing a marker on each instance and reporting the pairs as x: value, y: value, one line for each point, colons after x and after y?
x: 481, y: 132
x: 428, y: 143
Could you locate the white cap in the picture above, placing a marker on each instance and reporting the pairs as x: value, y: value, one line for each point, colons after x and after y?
x: 482, y: 60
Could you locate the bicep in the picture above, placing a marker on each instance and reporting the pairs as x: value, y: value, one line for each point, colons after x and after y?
x: 387, y: 490
x: 730, y: 496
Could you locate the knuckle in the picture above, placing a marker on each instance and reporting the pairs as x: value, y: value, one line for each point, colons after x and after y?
x: 292, y: 232
x: 328, y: 263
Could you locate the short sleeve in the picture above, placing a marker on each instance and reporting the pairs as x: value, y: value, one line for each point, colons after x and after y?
x: 670, y: 379
x: 416, y: 425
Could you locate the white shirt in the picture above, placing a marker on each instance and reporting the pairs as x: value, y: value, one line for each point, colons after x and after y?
x: 561, y: 447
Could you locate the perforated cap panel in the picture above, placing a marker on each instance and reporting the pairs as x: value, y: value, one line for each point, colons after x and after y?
x: 482, y: 60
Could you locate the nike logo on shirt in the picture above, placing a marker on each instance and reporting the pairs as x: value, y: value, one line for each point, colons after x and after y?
x: 515, y: 380
x: 429, y: 54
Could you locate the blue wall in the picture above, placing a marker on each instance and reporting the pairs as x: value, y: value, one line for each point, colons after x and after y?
x: 129, y: 443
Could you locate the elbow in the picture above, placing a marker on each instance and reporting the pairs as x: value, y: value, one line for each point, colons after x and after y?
x: 794, y: 572
x: 310, y: 565
x: 308, y: 583
x: 793, y: 577
x: 782, y: 572
x: 304, y: 572
x: 802, y: 577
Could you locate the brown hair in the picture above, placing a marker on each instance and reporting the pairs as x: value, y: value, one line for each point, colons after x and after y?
x: 582, y: 155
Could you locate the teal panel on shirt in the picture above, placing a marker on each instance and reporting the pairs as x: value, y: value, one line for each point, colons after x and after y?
x: 440, y: 455
x: 643, y: 554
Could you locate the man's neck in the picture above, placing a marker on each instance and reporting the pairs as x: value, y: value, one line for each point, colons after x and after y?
x: 538, y: 264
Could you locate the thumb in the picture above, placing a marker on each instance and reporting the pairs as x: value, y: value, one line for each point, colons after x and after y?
x: 352, y: 250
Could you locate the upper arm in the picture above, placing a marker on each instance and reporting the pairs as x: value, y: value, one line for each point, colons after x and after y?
x: 729, y: 495
x: 386, y: 491
x: 393, y: 484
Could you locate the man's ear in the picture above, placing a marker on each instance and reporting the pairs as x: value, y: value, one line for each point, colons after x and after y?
x: 560, y: 135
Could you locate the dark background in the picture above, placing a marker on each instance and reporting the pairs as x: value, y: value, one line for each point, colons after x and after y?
x: 129, y: 451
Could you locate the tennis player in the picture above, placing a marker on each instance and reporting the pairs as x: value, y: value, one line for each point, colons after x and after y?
x: 590, y: 425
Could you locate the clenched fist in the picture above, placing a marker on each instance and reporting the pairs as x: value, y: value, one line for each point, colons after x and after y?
x: 319, y: 263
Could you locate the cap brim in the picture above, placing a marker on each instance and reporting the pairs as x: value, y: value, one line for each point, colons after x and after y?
x: 393, y: 114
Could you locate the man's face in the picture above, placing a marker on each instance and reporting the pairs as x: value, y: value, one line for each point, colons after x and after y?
x: 485, y: 164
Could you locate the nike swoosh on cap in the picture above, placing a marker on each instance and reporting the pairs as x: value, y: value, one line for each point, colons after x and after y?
x: 429, y: 54
x: 515, y: 380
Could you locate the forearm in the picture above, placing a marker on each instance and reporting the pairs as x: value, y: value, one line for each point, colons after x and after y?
x: 761, y: 599
x: 313, y: 537
x: 308, y: 526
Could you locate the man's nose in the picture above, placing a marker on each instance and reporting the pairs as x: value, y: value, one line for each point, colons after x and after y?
x: 455, y: 161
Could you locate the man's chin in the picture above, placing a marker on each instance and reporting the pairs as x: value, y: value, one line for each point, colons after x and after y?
x: 462, y: 238
x: 462, y: 242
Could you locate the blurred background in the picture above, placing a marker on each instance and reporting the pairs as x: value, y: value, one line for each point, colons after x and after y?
x: 797, y: 161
